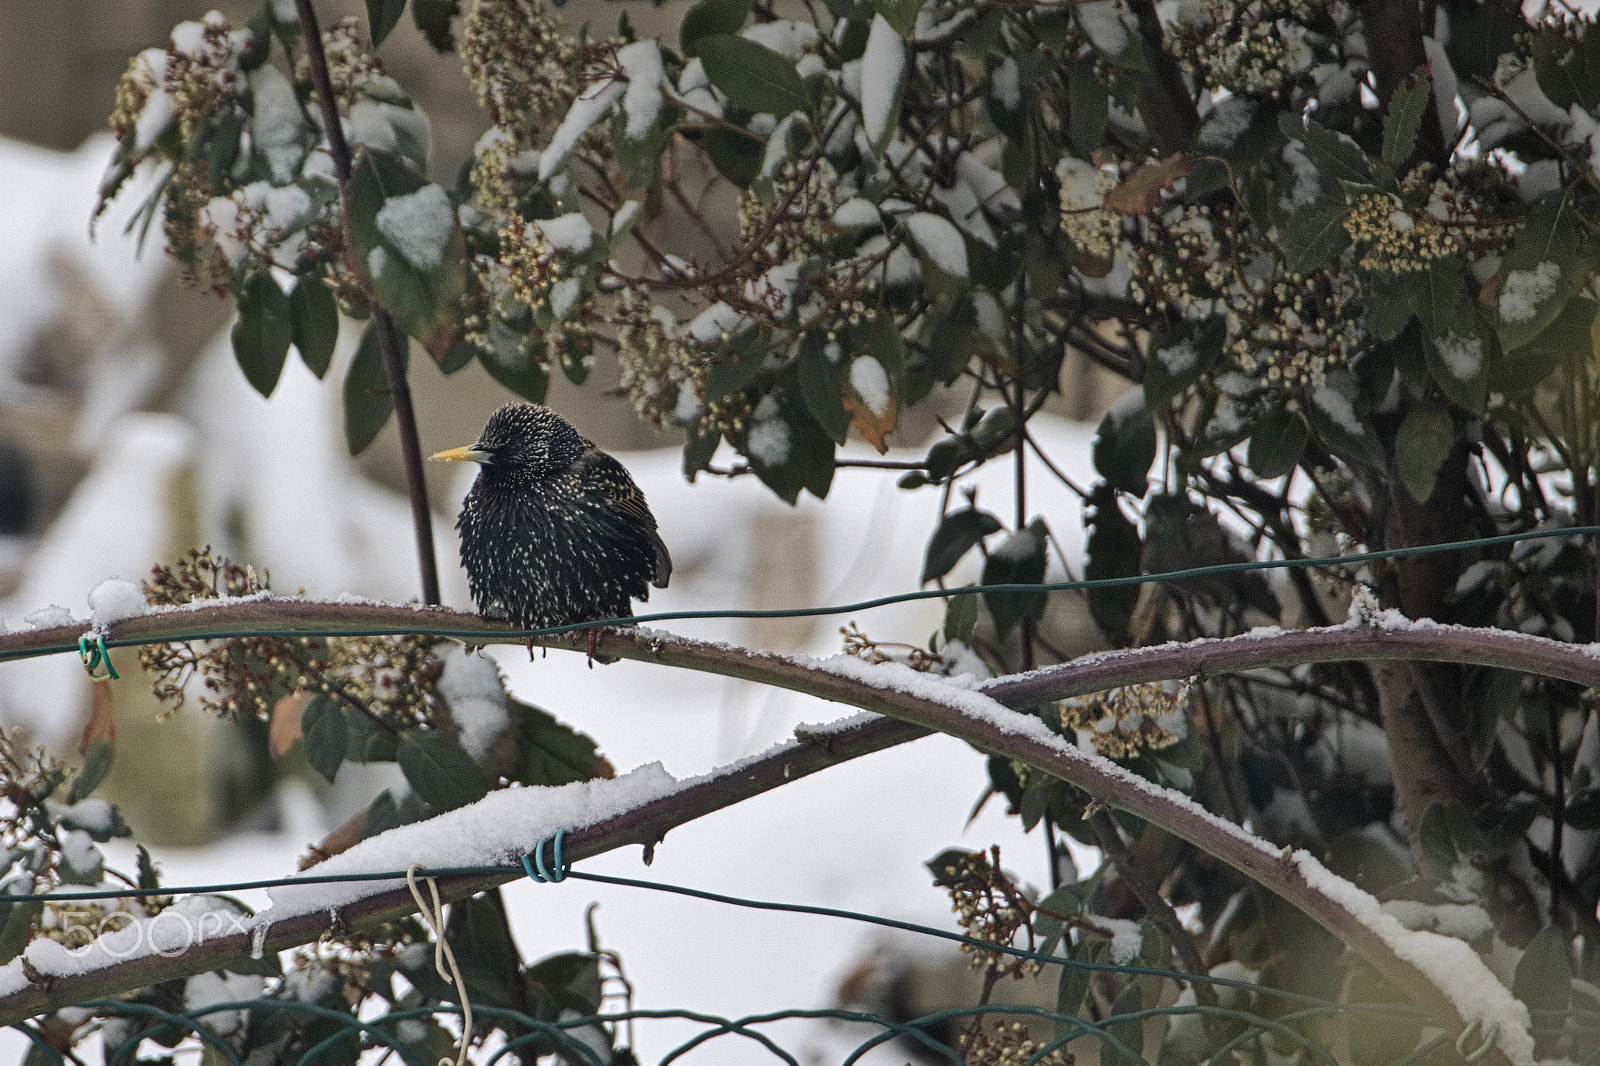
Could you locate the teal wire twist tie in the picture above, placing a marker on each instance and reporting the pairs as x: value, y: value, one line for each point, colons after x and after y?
x: 534, y: 864
x: 94, y: 655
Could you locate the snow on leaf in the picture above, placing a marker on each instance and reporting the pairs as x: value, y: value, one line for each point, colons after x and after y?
x: 883, y: 67
x: 641, y: 101
x: 591, y: 105
x: 940, y: 241
x: 419, y: 225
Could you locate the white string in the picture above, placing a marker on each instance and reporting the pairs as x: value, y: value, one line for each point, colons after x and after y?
x: 433, y: 918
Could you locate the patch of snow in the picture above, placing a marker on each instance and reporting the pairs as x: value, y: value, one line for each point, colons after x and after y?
x: 1337, y: 406
x: 1525, y: 290
x: 472, y: 686
x: 789, y: 39
x: 856, y: 213
x: 419, y: 225
x: 1178, y: 358
x: 590, y: 106
x: 50, y: 617
x: 769, y: 437
x: 277, y: 129
x: 641, y: 101
x: 1106, y: 23
x: 1005, y: 84
x: 939, y: 240
x: 871, y: 383
x: 1462, y: 356
x: 569, y: 234
x: 883, y: 66
x: 115, y: 600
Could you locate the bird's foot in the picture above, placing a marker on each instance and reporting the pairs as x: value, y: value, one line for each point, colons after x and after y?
x: 593, y: 634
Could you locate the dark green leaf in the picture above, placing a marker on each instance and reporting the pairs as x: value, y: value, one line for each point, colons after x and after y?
x: 822, y: 387
x: 96, y: 764
x: 1314, y: 237
x: 1070, y: 989
x: 323, y: 727
x: 1437, y: 294
x: 1406, y: 108
x: 791, y: 452
x: 382, y: 15
x: 416, y: 280
x: 550, y: 752
x: 752, y: 75
x: 1541, y: 271
x: 1544, y: 982
x: 315, y: 315
x: 960, y: 616
x: 1090, y: 105
x: 481, y: 942
x: 366, y: 740
x: 1583, y: 810
x: 1125, y: 445
x: 16, y: 927
x: 509, y: 362
x: 1385, y: 311
x: 456, y: 357
x: 1458, y: 362
x: 1018, y: 560
x: 382, y: 815
x: 900, y: 14
x: 1336, y: 157
x: 958, y: 534
x: 1420, y: 446
x: 1518, y: 373
x: 1131, y: 1032
x: 1113, y: 550
x: 1276, y: 444
x: 433, y: 20
x: 439, y: 770
x: 148, y: 877
x: 709, y: 18
x: 1448, y: 835
x: 368, y: 403
x: 736, y: 155
x: 262, y: 334
x: 1336, y: 415
x: 1177, y: 359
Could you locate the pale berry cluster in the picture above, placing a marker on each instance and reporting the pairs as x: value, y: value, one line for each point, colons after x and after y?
x: 1126, y: 721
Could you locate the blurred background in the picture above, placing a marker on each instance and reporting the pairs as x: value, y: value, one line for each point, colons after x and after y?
x: 128, y: 436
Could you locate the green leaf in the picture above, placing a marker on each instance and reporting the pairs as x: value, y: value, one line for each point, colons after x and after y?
x: 958, y: 534
x: 1437, y: 294
x: 365, y: 740
x: 1336, y: 157
x: 96, y: 764
x: 322, y: 725
x: 1177, y: 359
x: 1518, y: 373
x: 1458, y: 362
x: 1071, y: 987
x: 751, y: 75
x: 550, y: 752
x: 736, y: 155
x: 432, y: 18
x: 1544, y: 982
x: 1420, y: 447
x: 1312, y: 238
x: 1019, y: 560
x: 382, y: 15
x: 1276, y: 444
x: 1337, y: 417
x: 1090, y: 105
x: 510, y: 363
x: 1113, y: 549
x: 1406, y: 108
x: 417, y: 280
x: 1124, y: 446
x: 709, y: 18
x: 960, y: 617
x: 800, y: 455
x: 822, y: 387
x: 1131, y: 1032
x: 315, y: 317
x: 481, y: 942
x: 439, y: 771
x: 900, y: 14
x: 262, y: 334
x: 1447, y: 835
x: 16, y: 927
x: 1385, y: 309
x: 1583, y: 809
x: 148, y: 877
x: 368, y: 403
x: 1541, y: 271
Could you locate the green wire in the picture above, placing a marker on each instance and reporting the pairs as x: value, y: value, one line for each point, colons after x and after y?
x: 474, y: 635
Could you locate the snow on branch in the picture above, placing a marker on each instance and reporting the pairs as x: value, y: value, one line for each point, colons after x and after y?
x: 1443, y: 975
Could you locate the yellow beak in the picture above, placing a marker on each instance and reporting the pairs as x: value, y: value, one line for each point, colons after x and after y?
x: 468, y: 454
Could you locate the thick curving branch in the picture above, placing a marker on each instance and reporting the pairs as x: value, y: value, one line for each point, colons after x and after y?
x: 915, y: 704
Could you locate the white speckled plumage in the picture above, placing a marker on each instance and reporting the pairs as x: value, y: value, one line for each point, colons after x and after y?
x: 554, y: 530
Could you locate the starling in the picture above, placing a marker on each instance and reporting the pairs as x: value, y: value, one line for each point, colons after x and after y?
x: 554, y: 530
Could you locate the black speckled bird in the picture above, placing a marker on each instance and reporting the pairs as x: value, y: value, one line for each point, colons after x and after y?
x: 554, y: 530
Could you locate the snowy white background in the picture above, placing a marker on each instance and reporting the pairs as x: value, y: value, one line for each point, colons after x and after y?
x: 853, y: 836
